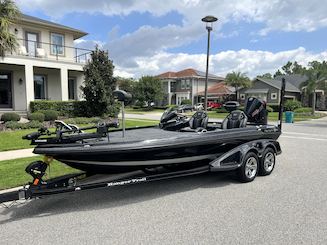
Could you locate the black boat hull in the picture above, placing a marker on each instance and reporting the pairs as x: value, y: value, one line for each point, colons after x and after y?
x: 182, y: 149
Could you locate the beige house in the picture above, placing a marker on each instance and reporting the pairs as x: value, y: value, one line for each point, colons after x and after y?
x: 187, y: 84
x: 46, y: 65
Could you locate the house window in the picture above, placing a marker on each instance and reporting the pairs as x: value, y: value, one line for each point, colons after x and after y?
x: 183, y: 84
x: 57, y: 44
x: 242, y: 96
x: 39, y: 87
x: 273, y: 96
x: 188, y: 84
x: 72, y: 88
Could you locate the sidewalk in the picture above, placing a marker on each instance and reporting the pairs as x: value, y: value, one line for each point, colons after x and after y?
x: 9, y: 155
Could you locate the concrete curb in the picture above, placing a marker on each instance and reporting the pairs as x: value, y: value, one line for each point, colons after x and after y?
x: 11, y: 189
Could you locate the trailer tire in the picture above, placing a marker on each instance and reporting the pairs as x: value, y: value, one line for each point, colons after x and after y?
x: 249, y: 168
x: 267, y: 162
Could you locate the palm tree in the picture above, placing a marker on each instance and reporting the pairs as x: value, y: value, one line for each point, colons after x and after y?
x: 314, y: 74
x: 237, y: 80
x: 9, y: 12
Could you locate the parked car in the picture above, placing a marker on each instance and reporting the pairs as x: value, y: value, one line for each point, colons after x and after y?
x: 199, y: 106
x: 214, y: 105
x: 185, y: 108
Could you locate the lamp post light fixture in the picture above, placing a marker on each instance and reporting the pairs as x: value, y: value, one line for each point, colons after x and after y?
x: 209, y: 21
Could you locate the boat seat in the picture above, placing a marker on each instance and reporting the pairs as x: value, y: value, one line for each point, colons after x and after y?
x: 236, y: 119
x: 197, y: 123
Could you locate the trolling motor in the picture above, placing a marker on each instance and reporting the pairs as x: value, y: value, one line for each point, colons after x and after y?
x: 123, y: 97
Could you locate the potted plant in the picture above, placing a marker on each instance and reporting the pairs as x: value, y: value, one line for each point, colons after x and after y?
x: 289, y: 108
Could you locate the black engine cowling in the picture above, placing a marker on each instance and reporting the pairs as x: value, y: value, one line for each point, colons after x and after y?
x: 255, y: 110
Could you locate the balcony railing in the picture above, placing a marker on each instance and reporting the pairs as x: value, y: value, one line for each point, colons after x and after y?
x: 52, y: 51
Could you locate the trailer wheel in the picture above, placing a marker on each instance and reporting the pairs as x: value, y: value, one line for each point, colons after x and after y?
x: 268, y: 161
x: 249, y: 169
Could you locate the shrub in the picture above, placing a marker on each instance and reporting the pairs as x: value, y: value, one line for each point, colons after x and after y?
x: 274, y: 107
x: 69, y: 108
x: 36, y: 116
x: 292, y: 105
x: 303, y: 110
x: 186, y: 102
x: 64, y: 108
x: 10, y: 116
x: 82, y: 120
x: 15, y: 125
x: 269, y: 108
x: 221, y: 110
x: 49, y: 115
x: 164, y: 107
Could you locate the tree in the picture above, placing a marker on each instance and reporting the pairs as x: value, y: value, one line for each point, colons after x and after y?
x: 9, y: 12
x: 316, y: 71
x: 126, y: 84
x: 290, y: 68
x: 148, y: 89
x: 266, y: 75
x: 287, y: 69
x: 99, y: 84
x: 278, y: 73
x: 237, y: 80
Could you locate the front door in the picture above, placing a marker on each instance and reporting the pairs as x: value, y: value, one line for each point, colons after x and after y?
x: 5, y: 90
x: 31, y: 43
x: 72, y: 88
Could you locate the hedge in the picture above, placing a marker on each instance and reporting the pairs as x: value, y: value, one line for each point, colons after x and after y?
x: 291, y: 105
x: 49, y: 115
x: 10, y: 116
x: 16, y: 125
x: 186, y: 102
x: 70, y: 108
x: 36, y: 116
x: 303, y: 110
x: 274, y: 107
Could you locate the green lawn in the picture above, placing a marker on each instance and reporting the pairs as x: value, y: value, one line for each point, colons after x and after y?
x: 13, y: 173
x: 12, y: 140
x: 272, y: 116
x: 141, y: 111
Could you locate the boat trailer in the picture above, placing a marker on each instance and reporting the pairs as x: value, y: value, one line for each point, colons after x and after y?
x: 38, y: 188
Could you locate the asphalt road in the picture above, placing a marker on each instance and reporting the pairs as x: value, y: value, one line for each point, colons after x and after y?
x: 287, y: 207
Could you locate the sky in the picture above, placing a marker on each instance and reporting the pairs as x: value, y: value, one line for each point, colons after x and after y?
x: 149, y: 37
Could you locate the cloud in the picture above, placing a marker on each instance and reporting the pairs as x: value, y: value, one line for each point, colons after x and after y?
x: 276, y: 15
x: 148, y: 41
x: 252, y: 62
x: 146, y: 50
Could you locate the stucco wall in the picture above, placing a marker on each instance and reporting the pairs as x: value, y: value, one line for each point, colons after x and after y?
x: 45, y: 40
x: 18, y: 89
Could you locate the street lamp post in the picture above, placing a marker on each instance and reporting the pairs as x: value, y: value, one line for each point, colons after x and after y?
x: 208, y: 20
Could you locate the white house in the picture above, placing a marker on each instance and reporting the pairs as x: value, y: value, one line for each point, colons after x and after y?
x: 46, y: 65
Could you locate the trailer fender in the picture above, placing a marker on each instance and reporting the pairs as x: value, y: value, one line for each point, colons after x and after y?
x: 233, y: 159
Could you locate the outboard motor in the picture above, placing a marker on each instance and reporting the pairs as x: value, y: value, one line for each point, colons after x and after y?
x: 255, y: 110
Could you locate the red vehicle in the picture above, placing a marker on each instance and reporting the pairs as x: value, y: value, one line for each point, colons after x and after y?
x: 214, y: 105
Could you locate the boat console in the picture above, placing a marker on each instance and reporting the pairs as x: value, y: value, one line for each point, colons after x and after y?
x: 254, y: 113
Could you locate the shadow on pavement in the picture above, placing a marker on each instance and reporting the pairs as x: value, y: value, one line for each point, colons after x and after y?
x: 113, y: 197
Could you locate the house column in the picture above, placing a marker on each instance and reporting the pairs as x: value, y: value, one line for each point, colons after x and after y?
x: 29, y: 84
x: 169, y: 94
x: 64, y: 84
